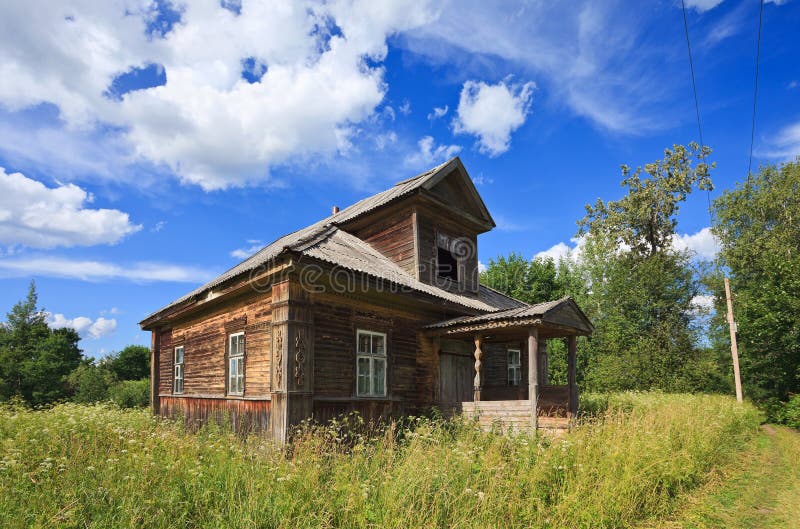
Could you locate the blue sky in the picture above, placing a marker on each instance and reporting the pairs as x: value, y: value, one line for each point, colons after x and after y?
x: 147, y: 146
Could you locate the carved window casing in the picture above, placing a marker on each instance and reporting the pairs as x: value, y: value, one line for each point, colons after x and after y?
x: 236, y: 351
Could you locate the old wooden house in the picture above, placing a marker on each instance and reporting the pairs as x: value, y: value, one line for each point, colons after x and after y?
x: 377, y: 309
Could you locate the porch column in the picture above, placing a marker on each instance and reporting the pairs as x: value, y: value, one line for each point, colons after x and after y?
x: 571, y: 375
x: 533, y: 374
x: 544, y: 368
x: 478, y: 384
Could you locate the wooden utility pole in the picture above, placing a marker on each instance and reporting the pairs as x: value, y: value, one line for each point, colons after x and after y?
x: 734, y: 348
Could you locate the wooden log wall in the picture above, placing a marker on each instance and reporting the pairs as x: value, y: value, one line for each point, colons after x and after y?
x: 393, y: 236
x: 337, y: 320
x: 242, y: 415
x: 204, y: 338
x: 429, y: 226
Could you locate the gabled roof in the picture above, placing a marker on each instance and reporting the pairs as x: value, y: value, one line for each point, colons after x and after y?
x: 324, y: 240
x: 544, y: 311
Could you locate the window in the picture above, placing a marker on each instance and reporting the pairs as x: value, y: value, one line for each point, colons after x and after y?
x: 178, y: 385
x: 514, y: 368
x: 446, y: 264
x: 371, y: 364
x: 236, y: 363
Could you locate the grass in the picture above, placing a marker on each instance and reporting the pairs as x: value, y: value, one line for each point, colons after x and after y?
x: 759, y: 490
x: 98, y: 466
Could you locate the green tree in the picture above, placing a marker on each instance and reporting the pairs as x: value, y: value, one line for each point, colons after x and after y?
x: 758, y: 227
x: 132, y: 363
x: 641, y: 287
x: 34, y: 359
x: 90, y: 382
x: 533, y: 281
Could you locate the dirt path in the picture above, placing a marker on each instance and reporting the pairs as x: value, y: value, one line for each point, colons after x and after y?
x: 760, y: 491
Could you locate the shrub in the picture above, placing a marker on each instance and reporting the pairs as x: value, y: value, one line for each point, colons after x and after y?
x: 790, y: 412
x: 130, y: 393
x: 89, y: 383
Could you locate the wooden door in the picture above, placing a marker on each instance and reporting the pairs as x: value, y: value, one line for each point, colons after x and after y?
x: 456, y: 376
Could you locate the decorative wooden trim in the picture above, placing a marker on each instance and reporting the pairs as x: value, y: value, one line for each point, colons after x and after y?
x: 299, y: 359
x: 278, y: 358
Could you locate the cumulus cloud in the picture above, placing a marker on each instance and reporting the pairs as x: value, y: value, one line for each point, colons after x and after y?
x: 236, y: 94
x: 492, y: 113
x: 86, y: 327
x: 429, y: 154
x: 89, y: 270
x: 703, y: 304
x: 563, y: 250
x: 34, y: 215
x: 702, y: 244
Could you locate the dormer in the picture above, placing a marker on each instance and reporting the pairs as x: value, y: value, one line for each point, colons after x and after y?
x: 428, y: 225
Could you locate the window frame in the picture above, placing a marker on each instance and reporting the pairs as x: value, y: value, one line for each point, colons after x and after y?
x: 515, y: 366
x: 455, y: 272
x: 372, y: 357
x: 175, y: 366
x: 239, y: 357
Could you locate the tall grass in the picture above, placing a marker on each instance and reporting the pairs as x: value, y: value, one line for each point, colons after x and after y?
x: 99, y: 466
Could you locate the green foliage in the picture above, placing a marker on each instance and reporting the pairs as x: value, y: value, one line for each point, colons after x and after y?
x: 89, y: 382
x: 132, y: 363
x: 788, y: 412
x: 645, y: 219
x: 758, y: 227
x: 532, y: 281
x: 130, y: 393
x: 34, y: 359
x: 104, y: 467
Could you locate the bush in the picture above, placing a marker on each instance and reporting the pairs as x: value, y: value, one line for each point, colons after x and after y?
x: 790, y: 413
x: 130, y: 393
x: 89, y: 383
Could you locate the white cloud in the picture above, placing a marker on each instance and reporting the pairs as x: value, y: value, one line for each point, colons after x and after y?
x: 438, y: 112
x: 702, y: 6
x: 85, y: 327
x: 563, y: 250
x: 429, y: 154
x: 37, y: 216
x: 481, y: 267
x: 785, y: 144
x: 405, y: 108
x: 244, y: 253
x: 88, y: 270
x: 702, y: 244
x: 703, y: 304
x: 207, y: 124
x: 493, y: 112
x: 617, y: 79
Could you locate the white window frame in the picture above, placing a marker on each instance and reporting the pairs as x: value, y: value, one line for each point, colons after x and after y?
x: 178, y: 370
x: 514, y: 369
x: 236, y: 358
x: 373, y: 358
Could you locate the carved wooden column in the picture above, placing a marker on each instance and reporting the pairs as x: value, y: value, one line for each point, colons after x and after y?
x: 478, y: 367
x: 533, y: 375
x: 572, y: 342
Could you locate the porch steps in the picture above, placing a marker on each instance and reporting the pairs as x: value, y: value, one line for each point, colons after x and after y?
x: 512, y: 414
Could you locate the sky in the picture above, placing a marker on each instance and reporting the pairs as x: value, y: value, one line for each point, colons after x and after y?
x: 147, y: 146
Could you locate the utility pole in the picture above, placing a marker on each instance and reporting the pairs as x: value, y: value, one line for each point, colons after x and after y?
x: 734, y: 348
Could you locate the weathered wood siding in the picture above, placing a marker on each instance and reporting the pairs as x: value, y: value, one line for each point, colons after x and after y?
x: 336, y: 321
x: 428, y: 226
x: 204, y: 338
x: 243, y: 414
x: 393, y: 236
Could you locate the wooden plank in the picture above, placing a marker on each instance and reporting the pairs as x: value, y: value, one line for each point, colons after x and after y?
x: 533, y: 375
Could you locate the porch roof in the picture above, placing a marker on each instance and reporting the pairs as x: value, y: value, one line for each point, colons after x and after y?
x: 562, y: 317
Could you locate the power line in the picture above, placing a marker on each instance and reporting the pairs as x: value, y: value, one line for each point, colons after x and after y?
x: 755, y: 93
x: 696, y: 102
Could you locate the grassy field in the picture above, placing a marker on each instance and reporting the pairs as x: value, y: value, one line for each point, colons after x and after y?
x: 97, y: 466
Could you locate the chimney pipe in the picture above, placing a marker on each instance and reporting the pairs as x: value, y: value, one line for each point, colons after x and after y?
x: 335, y: 210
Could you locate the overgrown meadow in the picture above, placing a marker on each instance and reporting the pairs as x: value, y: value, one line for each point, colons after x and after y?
x: 99, y: 466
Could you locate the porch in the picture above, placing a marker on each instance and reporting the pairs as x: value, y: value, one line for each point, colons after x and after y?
x: 506, y: 381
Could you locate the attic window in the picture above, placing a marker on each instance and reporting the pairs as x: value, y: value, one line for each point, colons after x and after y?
x: 446, y: 264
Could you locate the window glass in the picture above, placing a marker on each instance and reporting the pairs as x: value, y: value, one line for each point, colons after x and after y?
x: 236, y: 352
x: 370, y: 363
